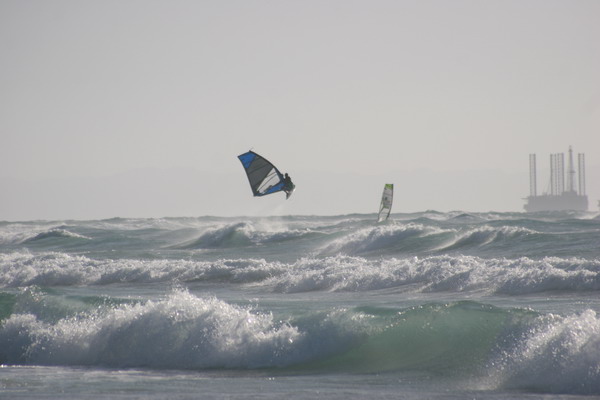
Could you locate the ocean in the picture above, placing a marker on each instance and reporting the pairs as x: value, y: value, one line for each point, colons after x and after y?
x: 425, y: 305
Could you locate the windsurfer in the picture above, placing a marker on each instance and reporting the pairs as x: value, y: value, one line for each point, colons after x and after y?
x: 287, y: 182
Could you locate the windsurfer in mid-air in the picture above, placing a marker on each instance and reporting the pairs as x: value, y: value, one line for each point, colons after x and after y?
x: 288, y: 185
x: 287, y: 182
x: 264, y: 177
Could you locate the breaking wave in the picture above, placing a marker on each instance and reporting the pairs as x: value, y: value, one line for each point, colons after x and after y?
x: 487, y: 235
x: 440, y: 274
x: 182, y: 332
x: 313, y: 295
x: 336, y: 273
x: 408, y: 237
x: 555, y: 354
x: 487, y: 346
x: 241, y: 234
x: 36, y: 236
x: 59, y: 269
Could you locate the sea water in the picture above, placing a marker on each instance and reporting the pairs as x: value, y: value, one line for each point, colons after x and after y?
x: 425, y: 305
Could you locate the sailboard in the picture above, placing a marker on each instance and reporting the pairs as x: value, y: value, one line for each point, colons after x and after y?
x: 263, y: 176
x: 386, y: 202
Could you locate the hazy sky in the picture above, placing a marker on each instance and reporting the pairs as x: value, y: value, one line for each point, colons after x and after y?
x: 139, y: 108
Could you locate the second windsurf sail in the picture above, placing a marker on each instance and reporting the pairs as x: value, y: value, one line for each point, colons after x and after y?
x: 386, y: 202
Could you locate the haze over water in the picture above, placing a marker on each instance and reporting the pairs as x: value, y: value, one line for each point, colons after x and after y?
x: 139, y: 108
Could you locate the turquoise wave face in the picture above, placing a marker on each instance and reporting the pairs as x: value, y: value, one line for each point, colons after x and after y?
x: 455, y: 339
x: 466, y: 340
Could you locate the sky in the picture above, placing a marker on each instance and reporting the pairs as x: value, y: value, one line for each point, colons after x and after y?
x: 139, y: 108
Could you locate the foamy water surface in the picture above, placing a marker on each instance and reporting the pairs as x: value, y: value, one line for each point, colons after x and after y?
x: 436, y: 305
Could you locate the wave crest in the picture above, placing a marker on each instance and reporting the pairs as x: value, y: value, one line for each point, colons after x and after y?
x: 488, y: 346
x: 486, y: 235
x: 336, y: 273
x: 182, y: 331
x: 59, y: 269
x: 557, y: 355
x: 241, y: 234
x: 439, y: 274
x: 32, y: 236
x: 382, y: 237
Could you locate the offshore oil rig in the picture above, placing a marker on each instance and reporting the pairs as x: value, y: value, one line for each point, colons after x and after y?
x: 558, y: 197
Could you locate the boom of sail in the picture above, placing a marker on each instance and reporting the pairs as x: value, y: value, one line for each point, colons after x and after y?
x: 263, y: 176
x: 386, y: 202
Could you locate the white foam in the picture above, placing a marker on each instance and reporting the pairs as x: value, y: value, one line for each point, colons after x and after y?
x: 439, y: 274
x: 336, y: 273
x: 59, y: 269
x: 181, y: 331
x: 558, y: 355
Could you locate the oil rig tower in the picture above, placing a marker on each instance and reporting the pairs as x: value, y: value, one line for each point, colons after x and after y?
x: 559, y: 197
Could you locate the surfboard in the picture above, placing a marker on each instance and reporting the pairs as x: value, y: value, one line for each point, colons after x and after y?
x: 289, y: 192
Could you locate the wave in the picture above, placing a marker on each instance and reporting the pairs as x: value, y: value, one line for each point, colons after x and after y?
x: 182, y: 331
x: 422, y: 238
x: 487, y: 235
x: 55, y: 233
x: 555, y: 354
x: 59, y: 269
x: 487, y: 346
x: 242, y: 234
x: 467, y: 218
x: 503, y: 238
x: 234, y: 235
x: 391, y: 237
x: 336, y: 273
x: 439, y: 274
x: 27, y: 235
x: 496, y: 235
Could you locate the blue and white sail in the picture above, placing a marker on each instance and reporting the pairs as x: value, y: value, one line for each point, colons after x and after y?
x: 386, y: 202
x: 263, y: 176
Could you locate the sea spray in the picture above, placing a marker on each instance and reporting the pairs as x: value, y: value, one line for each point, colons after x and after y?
x: 446, y: 273
x: 190, y: 332
x: 61, y: 269
x: 557, y: 354
x: 439, y: 274
x: 181, y: 331
x: 243, y: 234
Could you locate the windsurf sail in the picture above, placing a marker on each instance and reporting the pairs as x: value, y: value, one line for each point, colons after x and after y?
x: 263, y: 176
x: 386, y: 202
